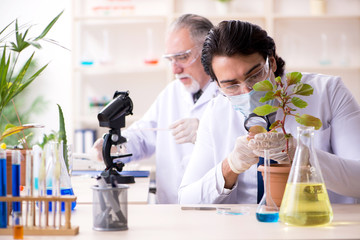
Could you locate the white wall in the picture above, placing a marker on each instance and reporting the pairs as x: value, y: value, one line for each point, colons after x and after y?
x: 55, y: 82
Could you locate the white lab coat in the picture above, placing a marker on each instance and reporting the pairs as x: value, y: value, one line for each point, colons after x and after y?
x: 336, y: 143
x: 172, y: 104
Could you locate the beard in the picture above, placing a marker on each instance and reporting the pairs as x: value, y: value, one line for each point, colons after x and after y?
x: 193, y: 87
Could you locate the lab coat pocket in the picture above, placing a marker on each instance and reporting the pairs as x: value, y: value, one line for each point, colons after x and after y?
x: 322, y: 139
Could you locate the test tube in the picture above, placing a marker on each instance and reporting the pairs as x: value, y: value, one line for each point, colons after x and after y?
x: 16, y: 160
x: 3, y: 205
x: 18, y: 227
x: 29, y: 186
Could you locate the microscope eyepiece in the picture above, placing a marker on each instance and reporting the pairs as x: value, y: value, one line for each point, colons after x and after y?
x: 113, y: 114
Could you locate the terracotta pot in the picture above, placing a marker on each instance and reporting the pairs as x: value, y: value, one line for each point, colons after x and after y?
x: 9, y: 169
x: 279, y: 174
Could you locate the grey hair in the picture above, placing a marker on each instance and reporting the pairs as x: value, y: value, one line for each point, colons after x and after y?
x: 198, y: 26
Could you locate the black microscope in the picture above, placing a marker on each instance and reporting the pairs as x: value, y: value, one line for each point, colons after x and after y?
x: 113, y: 116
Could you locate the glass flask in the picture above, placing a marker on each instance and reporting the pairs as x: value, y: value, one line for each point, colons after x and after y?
x: 57, y: 183
x: 306, y: 201
x: 267, y: 211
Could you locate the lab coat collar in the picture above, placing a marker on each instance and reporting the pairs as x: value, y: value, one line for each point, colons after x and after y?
x: 209, y: 92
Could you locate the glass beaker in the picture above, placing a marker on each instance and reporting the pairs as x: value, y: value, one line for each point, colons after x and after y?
x: 306, y: 201
x: 267, y: 211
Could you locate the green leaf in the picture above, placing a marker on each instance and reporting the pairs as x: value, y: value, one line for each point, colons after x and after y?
x: 293, y: 78
x: 309, y: 120
x: 262, y: 86
x: 299, y: 102
x: 12, y: 129
x: 35, y: 44
x: 268, y: 96
x: 303, y: 89
x: 62, y: 132
x: 62, y: 135
x: 48, y: 27
x: 5, y: 29
x: 9, y: 125
x: 265, y: 110
x: 275, y: 124
x: 278, y: 79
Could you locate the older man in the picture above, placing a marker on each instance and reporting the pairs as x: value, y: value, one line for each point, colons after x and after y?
x: 177, y: 108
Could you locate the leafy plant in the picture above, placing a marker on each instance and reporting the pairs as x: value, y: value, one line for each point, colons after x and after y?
x: 12, y: 84
x: 24, y: 139
x: 59, y: 136
x: 286, y: 96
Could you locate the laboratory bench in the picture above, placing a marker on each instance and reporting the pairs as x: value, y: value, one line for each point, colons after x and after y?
x: 150, y: 221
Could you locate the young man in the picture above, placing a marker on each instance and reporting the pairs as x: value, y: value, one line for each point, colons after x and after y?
x: 223, y: 168
x: 178, y: 107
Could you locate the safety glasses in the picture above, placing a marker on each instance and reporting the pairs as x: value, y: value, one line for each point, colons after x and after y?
x: 183, y: 59
x: 248, y: 83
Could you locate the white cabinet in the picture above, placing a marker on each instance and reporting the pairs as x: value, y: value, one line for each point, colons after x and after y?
x: 112, y: 39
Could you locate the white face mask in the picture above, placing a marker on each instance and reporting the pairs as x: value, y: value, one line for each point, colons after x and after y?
x: 193, y: 87
x: 247, y: 102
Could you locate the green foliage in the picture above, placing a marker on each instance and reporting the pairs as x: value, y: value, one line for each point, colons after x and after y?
x: 59, y: 136
x: 26, y: 137
x: 265, y: 110
x: 62, y: 136
x: 11, y: 83
x: 281, y: 92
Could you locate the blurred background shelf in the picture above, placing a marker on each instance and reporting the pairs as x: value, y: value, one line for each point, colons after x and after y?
x: 116, y: 37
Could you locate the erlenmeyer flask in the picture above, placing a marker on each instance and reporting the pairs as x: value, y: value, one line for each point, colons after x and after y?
x: 267, y: 211
x: 306, y: 201
x: 56, y: 154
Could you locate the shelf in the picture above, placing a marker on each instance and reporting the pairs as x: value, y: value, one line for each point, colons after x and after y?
x: 289, y: 22
x: 101, y: 70
x: 323, y: 68
x: 122, y: 19
x: 313, y: 17
x: 239, y: 16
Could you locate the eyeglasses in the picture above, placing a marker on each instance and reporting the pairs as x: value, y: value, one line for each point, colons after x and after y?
x: 183, y: 59
x: 249, y: 82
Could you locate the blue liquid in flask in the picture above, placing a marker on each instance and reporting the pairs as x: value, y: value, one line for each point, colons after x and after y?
x: 267, y: 217
x: 63, y: 191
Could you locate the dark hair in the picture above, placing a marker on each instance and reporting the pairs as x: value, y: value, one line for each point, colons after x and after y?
x: 235, y: 37
x: 198, y: 26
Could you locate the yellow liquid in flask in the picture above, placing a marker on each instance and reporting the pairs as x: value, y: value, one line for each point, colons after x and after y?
x: 305, y: 204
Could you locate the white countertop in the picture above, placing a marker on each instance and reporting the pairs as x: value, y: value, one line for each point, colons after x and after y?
x: 170, y: 222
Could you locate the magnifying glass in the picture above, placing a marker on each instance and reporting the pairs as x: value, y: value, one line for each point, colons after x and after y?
x: 256, y: 120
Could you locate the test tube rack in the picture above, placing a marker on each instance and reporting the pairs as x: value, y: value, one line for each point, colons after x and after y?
x: 45, y: 229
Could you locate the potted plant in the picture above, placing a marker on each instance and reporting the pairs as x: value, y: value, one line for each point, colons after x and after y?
x: 288, y: 99
x: 15, y: 75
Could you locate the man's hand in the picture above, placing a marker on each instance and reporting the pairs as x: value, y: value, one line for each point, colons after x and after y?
x: 184, y: 130
x: 242, y: 157
x: 96, y: 150
x: 275, y: 142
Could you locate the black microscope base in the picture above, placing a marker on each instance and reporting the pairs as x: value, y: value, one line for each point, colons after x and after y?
x: 124, y: 179
x: 118, y: 177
